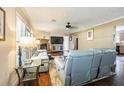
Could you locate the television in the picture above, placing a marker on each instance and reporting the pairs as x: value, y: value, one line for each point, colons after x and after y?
x: 56, y: 40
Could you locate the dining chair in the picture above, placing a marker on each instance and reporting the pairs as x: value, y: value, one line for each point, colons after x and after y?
x: 27, y: 77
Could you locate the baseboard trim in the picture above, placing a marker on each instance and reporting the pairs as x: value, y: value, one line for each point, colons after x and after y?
x: 15, y: 83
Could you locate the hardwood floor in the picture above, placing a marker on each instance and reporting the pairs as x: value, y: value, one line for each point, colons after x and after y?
x: 116, y: 80
x: 44, y: 79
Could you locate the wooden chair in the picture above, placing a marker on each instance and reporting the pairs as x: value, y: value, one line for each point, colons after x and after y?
x: 27, y: 77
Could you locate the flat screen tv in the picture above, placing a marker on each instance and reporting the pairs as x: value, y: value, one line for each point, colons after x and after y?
x: 56, y: 40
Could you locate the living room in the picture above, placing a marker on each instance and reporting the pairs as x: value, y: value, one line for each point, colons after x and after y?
x: 54, y: 35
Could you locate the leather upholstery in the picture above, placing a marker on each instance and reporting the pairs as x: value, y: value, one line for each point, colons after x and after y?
x: 83, y: 66
x: 107, y: 61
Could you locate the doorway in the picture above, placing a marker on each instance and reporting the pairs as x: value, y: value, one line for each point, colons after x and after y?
x: 76, y: 47
x: 119, y: 39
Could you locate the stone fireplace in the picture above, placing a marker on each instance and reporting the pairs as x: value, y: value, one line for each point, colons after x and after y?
x: 43, y: 46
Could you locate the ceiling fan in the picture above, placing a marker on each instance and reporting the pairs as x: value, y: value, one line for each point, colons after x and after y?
x: 69, y: 26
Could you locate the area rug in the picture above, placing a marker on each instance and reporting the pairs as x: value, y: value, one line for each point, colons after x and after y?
x: 120, y: 58
x: 55, y: 78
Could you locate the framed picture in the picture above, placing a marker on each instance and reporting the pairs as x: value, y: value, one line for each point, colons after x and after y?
x: 2, y: 24
x: 90, y: 35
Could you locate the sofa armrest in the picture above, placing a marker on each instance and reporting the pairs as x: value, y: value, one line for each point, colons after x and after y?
x: 59, y: 62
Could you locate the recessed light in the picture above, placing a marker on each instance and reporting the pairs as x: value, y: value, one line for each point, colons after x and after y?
x: 53, y: 20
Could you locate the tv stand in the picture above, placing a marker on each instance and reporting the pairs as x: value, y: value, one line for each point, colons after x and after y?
x: 56, y: 53
x: 56, y: 47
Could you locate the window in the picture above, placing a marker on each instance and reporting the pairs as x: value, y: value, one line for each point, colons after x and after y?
x: 22, y: 30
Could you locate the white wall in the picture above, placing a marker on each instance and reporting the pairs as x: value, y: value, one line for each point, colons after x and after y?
x: 7, y: 47
x: 103, y: 36
x: 66, y: 45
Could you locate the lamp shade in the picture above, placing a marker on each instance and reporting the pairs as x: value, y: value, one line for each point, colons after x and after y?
x: 27, y: 42
x: 37, y: 42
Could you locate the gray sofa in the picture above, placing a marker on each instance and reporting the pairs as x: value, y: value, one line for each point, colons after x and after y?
x: 81, y: 67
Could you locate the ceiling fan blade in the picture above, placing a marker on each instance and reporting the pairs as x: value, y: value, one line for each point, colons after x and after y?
x: 74, y: 27
x: 69, y: 26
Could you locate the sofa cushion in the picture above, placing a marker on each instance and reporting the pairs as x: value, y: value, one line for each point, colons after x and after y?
x: 95, y: 63
x: 80, y: 69
x: 59, y: 61
x: 78, y: 66
x: 107, y: 61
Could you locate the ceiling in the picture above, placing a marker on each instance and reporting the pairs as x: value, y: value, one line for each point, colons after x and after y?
x: 81, y: 17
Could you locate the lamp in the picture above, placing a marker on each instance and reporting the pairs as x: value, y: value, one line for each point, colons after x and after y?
x: 25, y: 42
x: 37, y: 42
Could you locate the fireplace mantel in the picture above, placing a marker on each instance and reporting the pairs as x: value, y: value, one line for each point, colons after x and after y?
x: 44, y: 43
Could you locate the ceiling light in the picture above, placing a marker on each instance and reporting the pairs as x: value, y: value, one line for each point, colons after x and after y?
x: 67, y: 29
x: 53, y: 20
